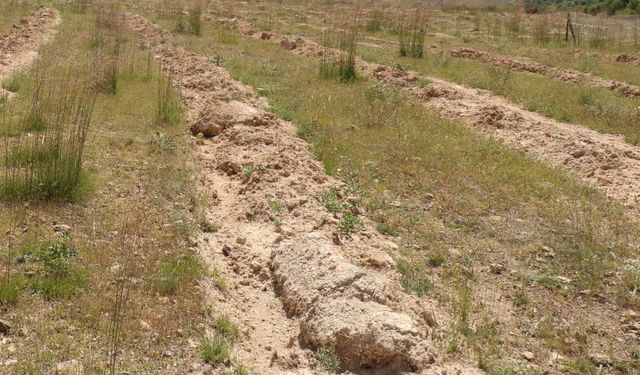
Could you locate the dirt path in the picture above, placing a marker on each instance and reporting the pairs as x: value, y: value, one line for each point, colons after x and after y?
x: 19, y: 47
x: 295, y: 283
x: 566, y: 75
x: 604, y: 161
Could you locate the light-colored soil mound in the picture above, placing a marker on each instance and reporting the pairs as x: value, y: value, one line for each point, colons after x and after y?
x: 19, y: 47
x: 604, y: 161
x: 294, y: 284
x: 566, y: 75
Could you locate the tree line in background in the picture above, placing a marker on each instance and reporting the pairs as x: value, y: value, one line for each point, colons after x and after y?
x: 589, y: 6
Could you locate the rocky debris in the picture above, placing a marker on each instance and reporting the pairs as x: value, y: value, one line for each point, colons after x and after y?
x: 71, y: 367
x: 497, y: 268
x: 62, y: 229
x: 600, y: 360
x: 529, y: 356
x: 625, y: 58
x: 222, y: 115
x: 344, y: 307
x: 289, y: 44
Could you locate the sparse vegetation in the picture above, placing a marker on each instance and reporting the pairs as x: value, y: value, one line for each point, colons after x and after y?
x: 505, y: 247
x: 328, y: 359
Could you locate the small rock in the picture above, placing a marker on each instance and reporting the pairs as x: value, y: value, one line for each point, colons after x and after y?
x: 497, y: 268
x: 380, y: 260
x: 579, y: 153
x: 226, y: 250
x: 5, y: 327
x: 600, y: 360
x: 71, y: 367
x: 62, y: 228
x: 529, y: 356
x: 144, y: 325
x: 241, y: 240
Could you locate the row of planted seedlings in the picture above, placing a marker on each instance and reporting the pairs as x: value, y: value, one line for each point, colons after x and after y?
x: 90, y: 144
x: 418, y: 176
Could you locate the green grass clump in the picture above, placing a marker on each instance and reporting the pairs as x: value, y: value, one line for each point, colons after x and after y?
x: 329, y: 359
x: 174, y: 273
x: 214, y: 350
x: 10, y: 289
x: 413, y: 278
x: 226, y: 328
x: 15, y: 82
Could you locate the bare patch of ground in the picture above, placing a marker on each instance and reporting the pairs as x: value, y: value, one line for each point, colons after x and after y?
x: 298, y: 280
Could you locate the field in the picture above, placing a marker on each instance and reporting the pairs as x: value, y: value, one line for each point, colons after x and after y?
x: 317, y: 187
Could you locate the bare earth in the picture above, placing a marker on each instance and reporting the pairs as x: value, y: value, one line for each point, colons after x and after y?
x: 19, y: 47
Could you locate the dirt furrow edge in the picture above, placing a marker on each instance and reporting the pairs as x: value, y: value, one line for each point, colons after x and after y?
x: 19, y: 47
x: 604, y: 161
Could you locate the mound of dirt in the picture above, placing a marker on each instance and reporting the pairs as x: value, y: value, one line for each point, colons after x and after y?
x: 293, y: 290
x: 566, y: 75
x: 344, y: 307
x: 18, y: 48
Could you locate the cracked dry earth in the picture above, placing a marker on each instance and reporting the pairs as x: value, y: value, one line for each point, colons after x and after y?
x: 604, y: 161
x: 299, y: 286
x: 19, y: 47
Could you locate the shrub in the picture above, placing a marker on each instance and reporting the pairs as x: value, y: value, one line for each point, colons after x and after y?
x: 374, y: 24
x: 343, y: 66
x: 195, y: 19
x: 382, y: 104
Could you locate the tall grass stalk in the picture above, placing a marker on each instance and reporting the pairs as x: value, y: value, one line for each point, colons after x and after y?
x: 412, y: 35
x: 44, y: 159
x: 169, y: 104
x: 343, y: 65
